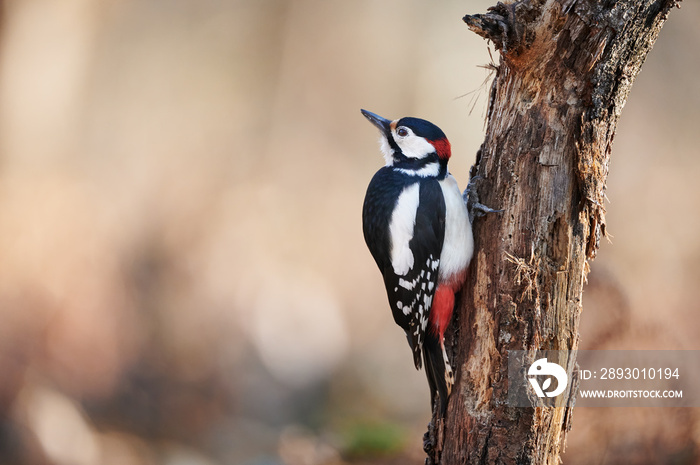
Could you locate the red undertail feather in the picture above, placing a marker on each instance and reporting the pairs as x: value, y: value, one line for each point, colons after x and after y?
x: 443, y: 303
x: 441, y: 312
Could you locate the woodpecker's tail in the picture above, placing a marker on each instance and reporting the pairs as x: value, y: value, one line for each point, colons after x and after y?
x: 438, y: 370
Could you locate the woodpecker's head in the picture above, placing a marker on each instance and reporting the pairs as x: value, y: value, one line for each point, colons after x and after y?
x: 413, y: 145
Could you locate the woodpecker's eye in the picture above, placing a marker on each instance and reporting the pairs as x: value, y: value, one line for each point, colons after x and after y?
x: 402, y: 131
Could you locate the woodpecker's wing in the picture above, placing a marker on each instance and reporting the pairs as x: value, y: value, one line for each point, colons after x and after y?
x: 405, y: 238
x: 411, y: 295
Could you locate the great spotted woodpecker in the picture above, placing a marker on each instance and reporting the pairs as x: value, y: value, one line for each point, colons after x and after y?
x: 417, y: 228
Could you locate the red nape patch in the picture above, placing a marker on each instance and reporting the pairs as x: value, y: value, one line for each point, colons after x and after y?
x: 441, y: 311
x: 442, y: 147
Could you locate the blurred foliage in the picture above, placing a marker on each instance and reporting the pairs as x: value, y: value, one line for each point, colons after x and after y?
x: 372, y: 439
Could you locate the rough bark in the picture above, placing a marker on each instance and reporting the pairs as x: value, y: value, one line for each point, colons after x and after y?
x: 565, y: 70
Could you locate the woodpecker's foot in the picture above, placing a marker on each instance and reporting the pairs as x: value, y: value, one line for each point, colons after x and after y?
x: 471, y: 198
x: 481, y: 209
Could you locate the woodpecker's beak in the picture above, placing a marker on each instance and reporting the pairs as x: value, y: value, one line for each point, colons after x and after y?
x: 381, y: 123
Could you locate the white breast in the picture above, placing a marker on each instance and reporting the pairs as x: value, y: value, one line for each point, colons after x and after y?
x: 458, y: 245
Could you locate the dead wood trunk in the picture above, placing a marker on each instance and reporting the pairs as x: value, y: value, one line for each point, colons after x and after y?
x: 566, y: 68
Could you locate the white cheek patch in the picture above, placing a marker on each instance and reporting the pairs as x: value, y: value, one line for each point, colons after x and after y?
x: 413, y: 146
x: 401, y: 226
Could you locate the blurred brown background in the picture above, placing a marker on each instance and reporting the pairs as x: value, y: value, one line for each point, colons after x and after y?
x: 183, y: 278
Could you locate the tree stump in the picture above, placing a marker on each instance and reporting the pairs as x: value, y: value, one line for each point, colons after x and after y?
x: 564, y: 74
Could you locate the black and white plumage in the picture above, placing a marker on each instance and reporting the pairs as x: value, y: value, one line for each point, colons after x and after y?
x: 417, y: 228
